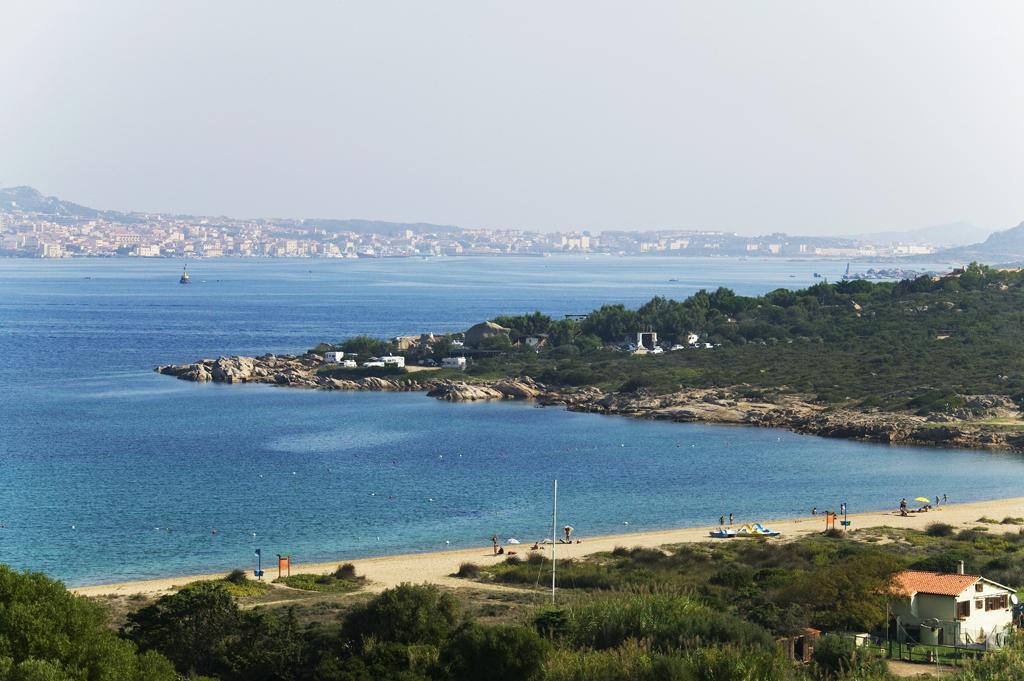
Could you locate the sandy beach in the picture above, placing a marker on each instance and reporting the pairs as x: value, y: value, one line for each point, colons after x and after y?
x: 436, y: 567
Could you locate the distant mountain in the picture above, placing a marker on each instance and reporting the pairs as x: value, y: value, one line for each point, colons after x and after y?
x: 999, y: 247
x: 32, y: 200
x: 951, y: 234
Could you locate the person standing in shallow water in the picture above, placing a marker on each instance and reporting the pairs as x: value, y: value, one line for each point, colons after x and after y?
x: 730, y: 520
x: 721, y: 521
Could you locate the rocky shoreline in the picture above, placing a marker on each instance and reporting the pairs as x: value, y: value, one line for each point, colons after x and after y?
x: 732, y: 405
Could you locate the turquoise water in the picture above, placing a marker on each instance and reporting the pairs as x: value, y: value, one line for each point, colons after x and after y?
x: 111, y: 472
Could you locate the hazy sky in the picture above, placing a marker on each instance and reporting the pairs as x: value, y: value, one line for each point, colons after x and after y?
x: 814, y: 116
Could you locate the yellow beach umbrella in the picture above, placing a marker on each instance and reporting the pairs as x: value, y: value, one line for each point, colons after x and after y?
x: 923, y: 499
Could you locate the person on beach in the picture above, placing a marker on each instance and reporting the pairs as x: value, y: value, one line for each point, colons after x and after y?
x: 721, y: 521
x: 730, y: 520
x: 903, y: 507
x: 936, y: 499
x: 842, y: 509
x: 494, y: 542
x: 944, y: 499
x: 568, y: 533
x: 814, y: 510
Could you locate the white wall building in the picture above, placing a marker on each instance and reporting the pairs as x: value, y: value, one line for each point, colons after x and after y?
x: 454, y: 363
x: 393, y: 361
x: 334, y: 356
x: 951, y: 608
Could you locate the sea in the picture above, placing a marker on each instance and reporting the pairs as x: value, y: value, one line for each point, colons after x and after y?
x: 110, y: 472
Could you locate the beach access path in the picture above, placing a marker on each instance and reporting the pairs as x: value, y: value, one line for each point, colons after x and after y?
x: 437, y: 567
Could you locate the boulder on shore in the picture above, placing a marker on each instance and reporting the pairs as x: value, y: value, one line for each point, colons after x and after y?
x: 458, y: 391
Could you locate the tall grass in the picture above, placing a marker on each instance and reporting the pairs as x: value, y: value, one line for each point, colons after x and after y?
x: 667, y: 621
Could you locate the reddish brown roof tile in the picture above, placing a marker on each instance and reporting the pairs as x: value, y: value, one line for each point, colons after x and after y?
x: 910, y: 582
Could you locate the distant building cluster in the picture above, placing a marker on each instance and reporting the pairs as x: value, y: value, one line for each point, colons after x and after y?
x: 104, y: 234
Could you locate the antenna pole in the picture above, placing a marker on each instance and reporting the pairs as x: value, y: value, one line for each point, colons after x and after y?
x: 554, y: 537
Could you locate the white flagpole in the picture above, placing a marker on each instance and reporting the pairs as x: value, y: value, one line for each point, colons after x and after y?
x: 554, y: 537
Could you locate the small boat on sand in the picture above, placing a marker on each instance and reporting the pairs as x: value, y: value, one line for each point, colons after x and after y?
x: 752, y: 530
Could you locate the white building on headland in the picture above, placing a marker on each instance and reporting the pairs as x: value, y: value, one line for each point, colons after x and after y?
x: 393, y: 361
x: 334, y: 356
x: 454, y: 363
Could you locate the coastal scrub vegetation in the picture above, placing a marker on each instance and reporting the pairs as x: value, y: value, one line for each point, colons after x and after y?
x: 342, y: 580
x: 920, y: 346
x: 47, y: 633
x: 686, y: 612
x: 915, y: 345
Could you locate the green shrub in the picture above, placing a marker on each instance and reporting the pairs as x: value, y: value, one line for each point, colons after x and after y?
x: 666, y: 621
x: 636, y: 661
x: 236, y: 576
x: 321, y: 583
x: 939, y: 530
x: 535, y: 558
x: 834, y: 655
x: 49, y: 634
x: 733, y: 576
x: 507, y: 653
x: 646, y: 556
x: 407, y: 614
x: 346, y: 571
x: 468, y: 571
x: 988, y: 521
x: 187, y: 627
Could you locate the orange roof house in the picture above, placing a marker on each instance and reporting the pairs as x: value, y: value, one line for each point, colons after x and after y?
x: 951, y: 609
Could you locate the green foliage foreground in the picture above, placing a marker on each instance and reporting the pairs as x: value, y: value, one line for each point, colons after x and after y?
x: 49, y: 634
x: 682, y: 613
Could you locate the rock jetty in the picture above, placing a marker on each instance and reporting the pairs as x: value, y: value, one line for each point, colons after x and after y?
x: 737, y: 405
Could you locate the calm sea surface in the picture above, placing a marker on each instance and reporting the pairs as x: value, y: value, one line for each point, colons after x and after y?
x: 110, y: 472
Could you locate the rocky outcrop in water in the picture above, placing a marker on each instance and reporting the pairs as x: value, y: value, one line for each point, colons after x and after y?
x: 739, y: 405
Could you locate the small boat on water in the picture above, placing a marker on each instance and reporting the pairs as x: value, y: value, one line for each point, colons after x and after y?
x: 185, y: 279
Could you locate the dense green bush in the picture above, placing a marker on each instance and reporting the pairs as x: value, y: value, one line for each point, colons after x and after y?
x: 834, y: 655
x: 187, y: 627
x: 500, y: 653
x: 406, y: 614
x: 468, y: 571
x: 939, y: 530
x: 664, y: 620
x: 49, y: 634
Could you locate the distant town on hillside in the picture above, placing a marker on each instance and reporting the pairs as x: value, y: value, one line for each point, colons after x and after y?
x: 34, y: 225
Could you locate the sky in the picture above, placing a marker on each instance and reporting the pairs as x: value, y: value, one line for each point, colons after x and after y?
x: 752, y: 116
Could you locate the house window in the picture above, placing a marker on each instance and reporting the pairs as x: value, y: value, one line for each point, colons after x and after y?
x: 979, y: 604
x: 1000, y: 602
x: 963, y: 609
x: 979, y: 587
